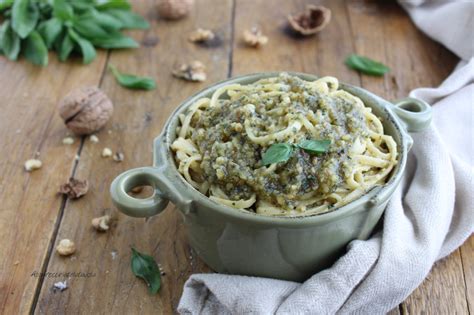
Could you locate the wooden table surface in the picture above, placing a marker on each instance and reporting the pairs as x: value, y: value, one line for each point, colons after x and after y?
x: 33, y: 217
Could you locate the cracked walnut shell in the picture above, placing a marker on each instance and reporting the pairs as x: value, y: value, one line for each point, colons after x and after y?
x: 195, y: 71
x: 85, y: 110
x: 311, y: 21
x: 74, y: 188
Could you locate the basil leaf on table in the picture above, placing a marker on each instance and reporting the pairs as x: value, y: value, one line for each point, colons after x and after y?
x: 277, y: 152
x: 10, y: 42
x: 89, y: 28
x: 315, y: 146
x: 132, y: 81
x: 113, y: 4
x: 114, y: 41
x: 366, y: 65
x: 145, y: 267
x: 87, y: 49
x: 108, y: 22
x: 5, y: 4
x: 65, y: 47
x: 25, y: 15
x: 50, y: 30
x: 35, y: 49
x: 63, y: 10
x: 129, y: 19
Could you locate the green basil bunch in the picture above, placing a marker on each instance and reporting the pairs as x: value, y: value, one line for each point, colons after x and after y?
x: 32, y: 27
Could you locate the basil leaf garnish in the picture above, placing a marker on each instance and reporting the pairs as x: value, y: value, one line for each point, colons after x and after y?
x: 145, y: 267
x: 65, y: 47
x: 366, y: 65
x: 9, y: 41
x: 115, y: 40
x: 63, y: 10
x: 277, y: 152
x: 132, y: 81
x: 50, y: 30
x: 35, y: 49
x: 25, y: 15
x: 315, y: 146
x: 87, y: 49
x: 129, y: 19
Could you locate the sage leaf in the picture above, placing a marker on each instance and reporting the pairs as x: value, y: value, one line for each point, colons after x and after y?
x: 50, y: 31
x: 35, y: 49
x: 277, y: 152
x: 315, y: 146
x: 65, y: 47
x: 10, y: 42
x: 366, y: 65
x: 115, y: 41
x: 131, y: 81
x: 25, y: 15
x: 63, y: 10
x: 129, y: 19
x: 87, y: 49
x: 145, y: 267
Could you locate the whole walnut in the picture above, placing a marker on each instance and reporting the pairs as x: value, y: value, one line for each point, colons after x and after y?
x: 174, y: 9
x: 85, y: 110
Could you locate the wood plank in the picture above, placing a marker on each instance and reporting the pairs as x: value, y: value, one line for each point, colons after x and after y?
x: 467, y: 256
x: 137, y: 120
x: 442, y: 292
x: 30, y: 206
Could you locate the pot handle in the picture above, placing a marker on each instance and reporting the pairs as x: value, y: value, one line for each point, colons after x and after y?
x: 135, y: 207
x: 415, y: 114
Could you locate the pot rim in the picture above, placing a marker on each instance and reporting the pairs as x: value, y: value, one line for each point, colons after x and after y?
x: 184, y: 194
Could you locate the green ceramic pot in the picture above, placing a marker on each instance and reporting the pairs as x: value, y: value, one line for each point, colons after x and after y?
x: 240, y: 242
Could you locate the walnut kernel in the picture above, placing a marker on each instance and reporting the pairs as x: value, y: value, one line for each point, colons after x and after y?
x: 254, y: 37
x: 94, y: 139
x: 33, y: 164
x: 101, y: 223
x: 68, y: 140
x: 201, y: 35
x: 195, y: 71
x: 311, y: 21
x: 118, y: 157
x: 174, y: 9
x: 85, y: 110
x: 66, y: 247
x: 106, y: 152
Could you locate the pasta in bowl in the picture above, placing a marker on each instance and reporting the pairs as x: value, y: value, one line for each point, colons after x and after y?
x: 274, y: 174
x: 283, y: 146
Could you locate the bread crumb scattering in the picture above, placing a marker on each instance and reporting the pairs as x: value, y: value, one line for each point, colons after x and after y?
x: 68, y: 140
x: 74, y: 188
x: 194, y: 71
x: 101, y: 223
x: 311, y: 21
x: 254, y: 37
x: 94, y: 139
x: 106, y: 152
x: 66, y: 247
x: 33, y: 164
x: 201, y: 35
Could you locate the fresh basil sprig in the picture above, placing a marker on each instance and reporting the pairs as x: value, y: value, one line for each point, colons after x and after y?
x: 145, y: 267
x: 281, y: 152
x: 132, y: 81
x: 366, y: 65
x: 65, y: 26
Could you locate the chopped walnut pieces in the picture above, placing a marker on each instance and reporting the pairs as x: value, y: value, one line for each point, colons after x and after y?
x: 102, y: 223
x: 106, y: 152
x: 74, y: 188
x: 68, y: 140
x: 118, y: 157
x: 66, y: 247
x: 195, y: 71
x: 311, y: 21
x: 32, y: 164
x: 254, y: 37
x: 94, y: 139
x: 201, y: 35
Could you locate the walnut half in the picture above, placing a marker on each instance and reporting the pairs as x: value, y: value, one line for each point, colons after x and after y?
x: 311, y: 21
x: 195, y: 71
x: 254, y: 37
